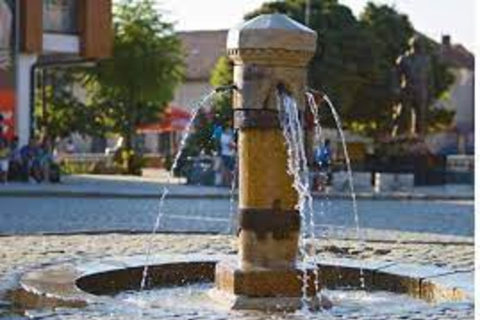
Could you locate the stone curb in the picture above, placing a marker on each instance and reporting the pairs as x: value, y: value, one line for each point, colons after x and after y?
x: 61, y: 282
x: 214, y: 196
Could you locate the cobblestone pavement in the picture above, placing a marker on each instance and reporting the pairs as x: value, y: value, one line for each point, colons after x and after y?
x: 21, y: 253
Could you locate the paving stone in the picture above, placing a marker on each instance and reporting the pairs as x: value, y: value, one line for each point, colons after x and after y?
x: 23, y: 253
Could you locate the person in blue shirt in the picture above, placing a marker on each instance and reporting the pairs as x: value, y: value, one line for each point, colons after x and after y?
x: 28, y: 154
x: 323, y: 157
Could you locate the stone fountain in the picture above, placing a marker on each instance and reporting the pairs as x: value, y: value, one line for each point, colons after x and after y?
x: 268, y: 51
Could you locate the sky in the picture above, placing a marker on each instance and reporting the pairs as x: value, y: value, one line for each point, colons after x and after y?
x: 432, y: 17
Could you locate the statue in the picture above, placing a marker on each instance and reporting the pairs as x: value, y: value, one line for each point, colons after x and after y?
x: 414, y: 79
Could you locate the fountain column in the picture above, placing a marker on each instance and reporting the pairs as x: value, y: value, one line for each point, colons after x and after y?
x: 269, y: 51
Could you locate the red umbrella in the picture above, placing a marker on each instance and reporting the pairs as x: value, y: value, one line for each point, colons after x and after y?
x: 174, y: 119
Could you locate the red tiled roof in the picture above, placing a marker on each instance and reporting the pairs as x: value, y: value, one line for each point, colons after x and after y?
x: 458, y: 56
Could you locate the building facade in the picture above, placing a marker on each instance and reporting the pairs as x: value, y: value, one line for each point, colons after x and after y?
x: 202, y: 49
x: 43, y: 33
x: 460, y: 139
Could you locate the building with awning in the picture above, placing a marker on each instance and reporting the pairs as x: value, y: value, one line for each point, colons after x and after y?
x: 39, y: 34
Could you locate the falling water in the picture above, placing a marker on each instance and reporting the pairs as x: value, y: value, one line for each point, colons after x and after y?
x: 298, y: 169
x: 319, y: 140
x: 361, y: 242
x: 185, y: 134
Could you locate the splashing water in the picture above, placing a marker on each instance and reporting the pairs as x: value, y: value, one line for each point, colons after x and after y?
x: 298, y: 168
x: 318, y: 140
x: 361, y: 241
x: 185, y: 135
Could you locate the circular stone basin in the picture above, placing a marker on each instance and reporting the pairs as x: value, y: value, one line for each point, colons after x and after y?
x: 181, y: 286
x: 192, y: 299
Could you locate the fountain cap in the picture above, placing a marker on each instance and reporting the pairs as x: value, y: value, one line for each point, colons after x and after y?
x: 271, y: 32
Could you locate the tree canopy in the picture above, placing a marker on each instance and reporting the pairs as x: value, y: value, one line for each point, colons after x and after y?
x: 139, y: 80
x: 355, y: 59
x: 147, y: 64
x: 58, y: 109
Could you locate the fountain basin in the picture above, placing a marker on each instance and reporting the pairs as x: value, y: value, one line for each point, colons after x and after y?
x: 81, y: 284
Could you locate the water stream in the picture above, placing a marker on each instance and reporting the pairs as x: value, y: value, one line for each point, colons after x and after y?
x: 297, y: 167
x: 185, y: 135
x: 338, y: 122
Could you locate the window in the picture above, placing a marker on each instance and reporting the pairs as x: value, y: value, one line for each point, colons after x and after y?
x: 60, y: 16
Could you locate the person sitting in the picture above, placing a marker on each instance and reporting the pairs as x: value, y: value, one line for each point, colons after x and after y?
x: 28, y: 154
x: 4, y: 154
x: 15, y: 161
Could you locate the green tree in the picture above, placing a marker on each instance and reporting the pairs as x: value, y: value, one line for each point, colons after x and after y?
x: 59, y: 112
x: 389, y: 32
x: 344, y: 53
x: 139, y: 80
x: 222, y: 75
x: 355, y: 60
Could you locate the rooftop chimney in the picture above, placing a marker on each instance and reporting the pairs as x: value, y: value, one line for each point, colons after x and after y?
x: 446, y: 40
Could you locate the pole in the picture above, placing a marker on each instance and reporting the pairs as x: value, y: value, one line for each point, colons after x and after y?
x: 307, y: 12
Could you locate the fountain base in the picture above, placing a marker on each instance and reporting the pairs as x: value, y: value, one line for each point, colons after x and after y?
x: 100, y: 282
x: 269, y: 304
x: 281, y: 289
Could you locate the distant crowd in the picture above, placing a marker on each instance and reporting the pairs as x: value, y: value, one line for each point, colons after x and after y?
x: 31, y: 162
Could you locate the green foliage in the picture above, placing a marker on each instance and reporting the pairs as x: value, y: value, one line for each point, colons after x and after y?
x: 59, y: 111
x: 135, y: 85
x: 440, y: 119
x: 222, y: 75
x: 355, y: 60
x: 126, y: 161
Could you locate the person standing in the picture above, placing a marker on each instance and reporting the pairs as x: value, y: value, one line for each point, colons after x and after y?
x: 4, y: 159
x: 323, y: 158
x: 227, y: 153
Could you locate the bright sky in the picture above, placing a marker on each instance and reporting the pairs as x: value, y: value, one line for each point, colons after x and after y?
x: 432, y: 17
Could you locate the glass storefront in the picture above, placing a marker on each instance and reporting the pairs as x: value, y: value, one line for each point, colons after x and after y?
x: 60, y: 16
